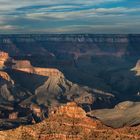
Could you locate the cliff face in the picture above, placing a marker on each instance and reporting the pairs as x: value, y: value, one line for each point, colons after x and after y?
x: 70, y: 110
x: 25, y: 66
x: 3, y: 58
x: 120, y: 38
x: 41, y: 71
x: 101, y: 44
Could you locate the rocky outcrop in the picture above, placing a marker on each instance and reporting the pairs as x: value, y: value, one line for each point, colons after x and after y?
x: 137, y: 68
x: 124, y: 114
x: 57, y: 90
x: 70, y: 110
x: 25, y: 66
x: 62, y: 124
x: 3, y: 58
x: 17, y: 64
x: 11, y: 92
x: 41, y: 71
x: 4, y: 75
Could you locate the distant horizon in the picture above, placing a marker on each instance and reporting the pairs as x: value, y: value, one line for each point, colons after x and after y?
x: 70, y: 17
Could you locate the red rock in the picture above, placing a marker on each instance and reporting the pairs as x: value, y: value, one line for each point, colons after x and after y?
x: 3, y: 58
x: 5, y: 76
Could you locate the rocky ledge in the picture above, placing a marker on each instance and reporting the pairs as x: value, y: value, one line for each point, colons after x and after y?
x: 69, y: 122
x: 63, y: 124
x: 124, y: 114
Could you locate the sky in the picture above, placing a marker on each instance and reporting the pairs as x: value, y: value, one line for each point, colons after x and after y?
x: 70, y: 16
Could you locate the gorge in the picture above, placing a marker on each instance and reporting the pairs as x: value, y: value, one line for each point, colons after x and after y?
x: 69, y: 86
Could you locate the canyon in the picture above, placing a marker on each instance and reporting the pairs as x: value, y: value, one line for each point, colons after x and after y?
x: 28, y: 94
x: 73, y: 86
x: 83, y: 58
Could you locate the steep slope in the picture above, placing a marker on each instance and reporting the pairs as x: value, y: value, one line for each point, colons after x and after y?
x: 11, y: 113
x: 57, y: 90
x: 124, y: 114
x: 25, y: 66
x: 9, y: 90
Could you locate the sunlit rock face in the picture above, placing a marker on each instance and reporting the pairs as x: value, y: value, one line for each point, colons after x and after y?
x: 137, y: 68
x: 5, y: 76
x: 63, y: 124
x: 71, y: 110
x: 3, y: 58
x: 41, y: 71
x: 25, y: 66
x: 21, y: 64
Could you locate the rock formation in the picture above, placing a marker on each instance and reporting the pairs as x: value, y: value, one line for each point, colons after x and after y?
x: 137, y: 68
x: 71, y: 124
x: 70, y: 110
x: 3, y: 58
x: 25, y: 66
x: 17, y: 64
x: 40, y: 90
x: 81, y: 56
x: 41, y: 71
x: 124, y: 114
x: 4, y: 75
x: 62, y: 124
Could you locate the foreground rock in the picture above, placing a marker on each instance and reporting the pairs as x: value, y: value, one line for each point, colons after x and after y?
x: 69, y: 122
x: 137, y: 68
x: 124, y: 114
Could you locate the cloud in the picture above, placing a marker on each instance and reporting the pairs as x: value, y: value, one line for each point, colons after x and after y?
x: 68, y: 16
